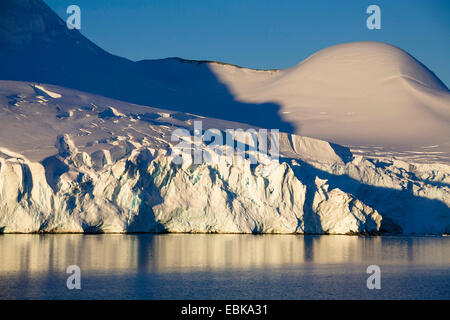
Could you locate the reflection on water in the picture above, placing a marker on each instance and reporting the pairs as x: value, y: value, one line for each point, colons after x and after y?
x: 159, y: 259
x: 194, y: 252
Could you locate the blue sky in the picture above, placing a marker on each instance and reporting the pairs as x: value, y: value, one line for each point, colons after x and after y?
x: 261, y: 33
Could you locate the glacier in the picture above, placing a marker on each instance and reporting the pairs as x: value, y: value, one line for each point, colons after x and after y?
x: 81, y: 161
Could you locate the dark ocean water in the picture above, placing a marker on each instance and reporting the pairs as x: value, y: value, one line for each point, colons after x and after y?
x: 197, y: 266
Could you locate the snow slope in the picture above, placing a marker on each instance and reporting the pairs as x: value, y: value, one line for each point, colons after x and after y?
x: 371, y: 96
x: 85, y: 163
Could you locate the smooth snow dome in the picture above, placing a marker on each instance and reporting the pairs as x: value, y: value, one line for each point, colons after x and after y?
x: 360, y: 93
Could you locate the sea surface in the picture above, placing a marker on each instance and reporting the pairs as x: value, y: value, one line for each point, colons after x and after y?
x: 214, y: 266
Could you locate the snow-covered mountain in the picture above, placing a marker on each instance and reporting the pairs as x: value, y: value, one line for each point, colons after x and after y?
x: 361, y: 93
x: 85, y: 139
x: 37, y: 46
x: 371, y: 96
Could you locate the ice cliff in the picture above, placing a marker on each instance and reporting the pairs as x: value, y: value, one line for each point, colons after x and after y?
x: 131, y: 189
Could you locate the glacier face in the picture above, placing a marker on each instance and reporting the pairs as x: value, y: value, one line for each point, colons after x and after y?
x: 144, y: 191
